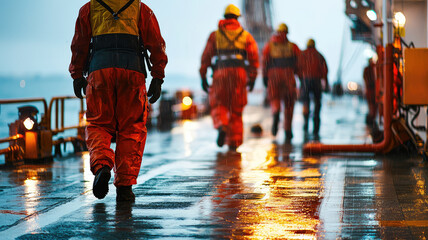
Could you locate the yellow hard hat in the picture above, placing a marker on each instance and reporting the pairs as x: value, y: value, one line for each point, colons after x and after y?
x: 311, y: 43
x: 232, y: 10
x: 282, y: 28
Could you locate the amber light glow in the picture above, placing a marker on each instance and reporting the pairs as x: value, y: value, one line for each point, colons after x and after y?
x: 277, y: 199
x: 187, y: 103
x: 399, y: 20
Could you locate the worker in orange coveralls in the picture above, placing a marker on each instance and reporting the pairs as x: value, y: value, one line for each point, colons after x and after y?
x: 115, y: 91
x: 313, y: 75
x: 370, y: 83
x: 231, y: 47
x: 279, y: 67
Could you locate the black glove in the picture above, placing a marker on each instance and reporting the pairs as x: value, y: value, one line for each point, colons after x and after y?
x: 80, y: 84
x: 205, y: 85
x: 265, y: 81
x: 327, y: 89
x: 154, y: 90
x: 250, y: 85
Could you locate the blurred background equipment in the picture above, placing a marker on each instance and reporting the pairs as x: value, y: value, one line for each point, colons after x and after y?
x: 29, y: 139
x: 258, y: 19
x: 32, y: 140
x: 185, y: 105
x: 166, y: 116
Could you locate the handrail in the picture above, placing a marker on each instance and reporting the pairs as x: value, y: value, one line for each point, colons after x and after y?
x: 60, y: 112
x: 27, y: 100
x: 12, y: 138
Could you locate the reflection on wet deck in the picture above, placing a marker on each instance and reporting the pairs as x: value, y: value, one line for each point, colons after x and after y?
x: 190, y: 189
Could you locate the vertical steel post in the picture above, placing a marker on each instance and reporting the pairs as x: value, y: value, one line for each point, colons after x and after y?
x: 388, y: 30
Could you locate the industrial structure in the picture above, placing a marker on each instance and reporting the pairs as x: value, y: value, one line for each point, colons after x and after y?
x: 400, y: 78
x: 258, y: 19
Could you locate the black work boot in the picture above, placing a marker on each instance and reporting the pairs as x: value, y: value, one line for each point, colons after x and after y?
x: 100, y: 187
x: 232, y: 148
x: 305, y: 123
x: 221, y: 136
x: 317, y: 121
x: 275, y: 123
x: 124, y: 194
x: 288, y: 136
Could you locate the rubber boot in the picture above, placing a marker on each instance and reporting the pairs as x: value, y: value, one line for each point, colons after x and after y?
x: 316, y: 125
x: 288, y: 136
x: 100, y: 187
x: 275, y: 123
x: 232, y: 148
x: 221, y: 136
x: 124, y: 194
x: 306, y: 123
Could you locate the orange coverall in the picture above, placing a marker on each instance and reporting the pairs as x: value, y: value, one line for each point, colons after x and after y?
x: 370, y: 84
x: 281, y: 80
x: 228, y: 92
x: 312, y: 68
x: 116, y: 95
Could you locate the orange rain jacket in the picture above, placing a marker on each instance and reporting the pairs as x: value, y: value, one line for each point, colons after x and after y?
x: 280, y: 58
x: 116, y: 93
x: 149, y: 31
x: 228, y: 93
x: 312, y: 65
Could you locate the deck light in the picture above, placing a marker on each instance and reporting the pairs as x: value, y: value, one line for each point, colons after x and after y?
x: 399, y: 20
x: 28, y: 123
x: 371, y: 14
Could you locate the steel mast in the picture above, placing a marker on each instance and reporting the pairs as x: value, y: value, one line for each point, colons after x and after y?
x: 258, y: 19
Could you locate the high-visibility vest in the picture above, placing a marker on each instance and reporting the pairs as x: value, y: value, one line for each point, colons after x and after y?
x: 281, y: 55
x: 115, y: 37
x: 103, y: 22
x: 231, y: 51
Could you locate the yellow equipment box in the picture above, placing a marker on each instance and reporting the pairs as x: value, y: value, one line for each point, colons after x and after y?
x: 415, y: 85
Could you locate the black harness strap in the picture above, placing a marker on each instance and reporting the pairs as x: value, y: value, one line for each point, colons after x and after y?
x: 115, y: 14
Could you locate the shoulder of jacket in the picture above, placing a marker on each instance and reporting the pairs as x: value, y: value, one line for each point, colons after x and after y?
x: 248, y: 35
x: 144, y: 8
x: 85, y: 9
x: 294, y: 45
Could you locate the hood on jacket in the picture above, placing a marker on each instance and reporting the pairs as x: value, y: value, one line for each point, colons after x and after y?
x: 229, y: 24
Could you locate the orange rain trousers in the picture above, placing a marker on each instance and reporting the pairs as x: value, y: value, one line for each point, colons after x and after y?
x: 282, y: 89
x: 228, y: 97
x: 117, y: 106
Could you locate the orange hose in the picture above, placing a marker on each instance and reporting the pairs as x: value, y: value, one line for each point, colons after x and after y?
x: 318, y: 148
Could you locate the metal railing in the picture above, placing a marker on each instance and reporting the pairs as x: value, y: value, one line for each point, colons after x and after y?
x: 43, y: 122
x: 59, y: 117
x: 52, y: 120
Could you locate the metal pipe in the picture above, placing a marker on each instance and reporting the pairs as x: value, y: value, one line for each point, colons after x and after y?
x: 55, y: 103
x: 81, y: 105
x: 387, y: 22
x: 11, y: 139
x: 26, y: 100
x: 62, y: 112
x: 317, y: 148
x: 5, y: 151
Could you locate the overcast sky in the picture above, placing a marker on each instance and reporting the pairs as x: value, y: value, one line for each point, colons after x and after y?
x: 35, y: 36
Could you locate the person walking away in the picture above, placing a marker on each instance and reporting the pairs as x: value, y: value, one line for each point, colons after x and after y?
x: 235, y: 54
x: 111, y: 33
x: 279, y: 67
x: 370, y: 84
x: 313, y: 74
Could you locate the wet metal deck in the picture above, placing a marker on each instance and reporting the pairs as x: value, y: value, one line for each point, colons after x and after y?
x: 189, y: 188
